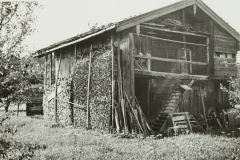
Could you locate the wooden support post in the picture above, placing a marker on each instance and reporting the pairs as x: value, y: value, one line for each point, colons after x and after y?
x: 45, y: 72
x: 113, y: 81
x: 56, y: 80
x: 190, y: 59
x: 211, y: 48
x: 18, y: 109
x: 88, y: 89
x: 208, y: 50
x: 185, y: 55
x: 208, y: 55
x: 132, y: 78
x: 51, y: 69
x: 138, y: 30
x: 75, y: 51
x: 117, y: 109
x: 204, y: 112
x: 148, y: 98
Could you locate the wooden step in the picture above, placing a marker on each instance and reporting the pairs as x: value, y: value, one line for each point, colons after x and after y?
x: 170, y: 104
x: 174, y: 97
x: 176, y: 93
x: 171, y: 101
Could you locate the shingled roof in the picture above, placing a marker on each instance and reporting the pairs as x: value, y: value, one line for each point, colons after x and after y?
x: 127, y: 23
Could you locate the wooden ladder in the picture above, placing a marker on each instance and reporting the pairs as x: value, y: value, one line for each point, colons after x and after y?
x: 180, y: 121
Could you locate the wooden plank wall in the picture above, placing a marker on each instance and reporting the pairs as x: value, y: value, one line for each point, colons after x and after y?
x: 76, y: 51
x: 223, y: 41
x: 221, y: 69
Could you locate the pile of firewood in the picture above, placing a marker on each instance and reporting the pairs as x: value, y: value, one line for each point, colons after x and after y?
x: 100, y: 90
x: 80, y: 81
x: 64, y: 115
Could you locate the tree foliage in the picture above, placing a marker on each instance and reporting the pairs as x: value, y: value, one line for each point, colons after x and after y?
x: 17, y: 21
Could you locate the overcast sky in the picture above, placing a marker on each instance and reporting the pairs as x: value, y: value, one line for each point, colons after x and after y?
x: 62, y: 19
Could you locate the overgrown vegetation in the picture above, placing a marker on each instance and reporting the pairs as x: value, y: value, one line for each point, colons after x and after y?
x: 35, y: 141
x: 16, y: 73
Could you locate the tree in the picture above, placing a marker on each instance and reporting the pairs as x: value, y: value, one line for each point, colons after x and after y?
x: 234, y: 90
x: 16, y: 23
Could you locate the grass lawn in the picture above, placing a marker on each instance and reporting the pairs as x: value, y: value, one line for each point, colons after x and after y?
x: 72, y: 143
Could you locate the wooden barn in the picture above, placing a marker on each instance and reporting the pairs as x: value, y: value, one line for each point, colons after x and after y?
x: 141, y: 70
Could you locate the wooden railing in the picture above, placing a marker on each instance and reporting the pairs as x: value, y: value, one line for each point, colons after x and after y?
x: 171, y: 60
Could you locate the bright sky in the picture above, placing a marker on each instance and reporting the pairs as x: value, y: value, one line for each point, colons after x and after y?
x: 62, y: 19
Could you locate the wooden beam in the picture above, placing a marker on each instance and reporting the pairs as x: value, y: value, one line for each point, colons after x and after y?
x: 168, y: 40
x: 56, y: 80
x: 164, y: 74
x: 113, y: 80
x: 88, y: 88
x: 171, y: 60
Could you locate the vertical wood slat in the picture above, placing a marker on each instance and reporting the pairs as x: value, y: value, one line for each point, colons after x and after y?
x: 45, y: 72
x: 208, y: 55
x: 51, y: 69
x: 88, y: 88
x: 185, y: 69
x: 113, y: 81
x: 211, y: 49
x: 57, y: 74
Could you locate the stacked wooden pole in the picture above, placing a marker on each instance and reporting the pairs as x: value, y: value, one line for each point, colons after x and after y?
x: 128, y: 115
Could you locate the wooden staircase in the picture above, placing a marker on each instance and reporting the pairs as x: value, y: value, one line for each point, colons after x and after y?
x: 170, y: 106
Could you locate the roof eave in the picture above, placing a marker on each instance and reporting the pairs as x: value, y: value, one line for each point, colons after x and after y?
x: 153, y: 14
x: 52, y: 48
x: 218, y: 19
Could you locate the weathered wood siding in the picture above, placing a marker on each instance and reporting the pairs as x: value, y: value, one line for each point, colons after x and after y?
x: 223, y: 41
x: 224, y: 67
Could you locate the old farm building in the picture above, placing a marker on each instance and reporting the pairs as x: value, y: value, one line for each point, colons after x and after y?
x: 141, y: 70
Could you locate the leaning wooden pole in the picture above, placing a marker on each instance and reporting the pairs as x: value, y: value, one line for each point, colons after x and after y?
x: 204, y: 112
x: 88, y: 88
x: 113, y: 82
x: 56, y: 80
